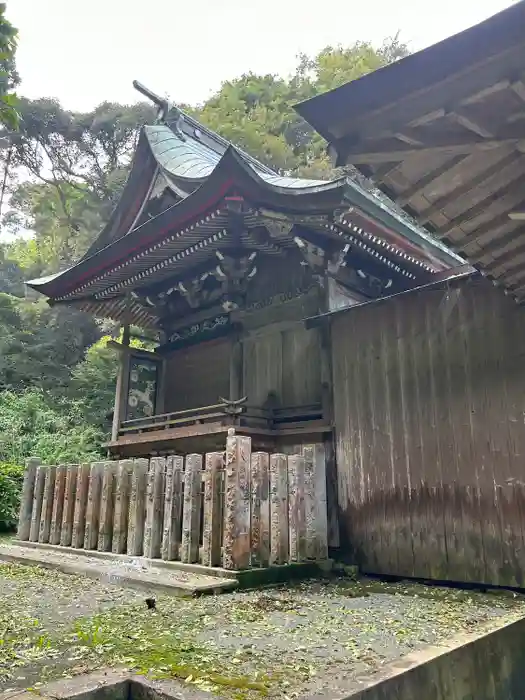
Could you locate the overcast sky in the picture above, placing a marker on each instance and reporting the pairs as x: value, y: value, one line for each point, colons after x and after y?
x: 86, y: 52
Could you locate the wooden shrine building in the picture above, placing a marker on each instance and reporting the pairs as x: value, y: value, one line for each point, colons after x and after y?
x: 221, y: 259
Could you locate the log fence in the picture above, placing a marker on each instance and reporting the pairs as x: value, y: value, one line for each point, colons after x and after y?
x: 233, y: 509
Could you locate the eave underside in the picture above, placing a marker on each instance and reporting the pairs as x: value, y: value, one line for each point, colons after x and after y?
x: 452, y: 152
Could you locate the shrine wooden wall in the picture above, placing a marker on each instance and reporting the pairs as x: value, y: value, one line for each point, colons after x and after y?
x: 197, y: 375
x: 430, y: 426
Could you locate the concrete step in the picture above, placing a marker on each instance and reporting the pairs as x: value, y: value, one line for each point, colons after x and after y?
x: 119, y: 569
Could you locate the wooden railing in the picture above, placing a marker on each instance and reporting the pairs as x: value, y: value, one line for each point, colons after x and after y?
x: 230, y: 413
x: 232, y: 509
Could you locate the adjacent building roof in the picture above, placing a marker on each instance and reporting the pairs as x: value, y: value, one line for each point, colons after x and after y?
x: 442, y: 132
x: 173, y: 215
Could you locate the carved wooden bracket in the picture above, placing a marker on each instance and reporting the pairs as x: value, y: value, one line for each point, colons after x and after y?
x: 234, y: 274
x: 320, y: 261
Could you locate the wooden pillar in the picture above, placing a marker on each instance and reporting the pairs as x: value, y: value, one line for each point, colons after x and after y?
x: 122, y: 388
x: 58, y: 504
x: 79, y: 519
x: 26, y: 499
x: 47, y: 505
x: 105, y: 526
x: 211, y: 530
x: 154, y: 510
x: 260, y: 504
x: 316, y: 501
x: 120, y: 518
x: 36, y: 511
x: 137, y: 507
x: 279, y: 509
x: 93, y: 505
x: 236, y: 368
x: 171, y: 537
x: 66, y: 533
x: 237, y: 540
x: 296, y: 508
x: 191, y: 509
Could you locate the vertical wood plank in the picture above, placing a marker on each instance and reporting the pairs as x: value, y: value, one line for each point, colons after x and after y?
x: 137, y: 507
x: 191, y: 509
x: 171, y: 537
x: 79, y: 518
x: 58, y: 504
x: 26, y: 499
x: 120, y: 517
x: 260, y: 509
x: 154, y: 508
x: 237, y: 502
x: 93, y: 505
x: 278, y: 509
x: 296, y: 508
x: 47, y: 505
x: 105, y: 528
x: 211, y: 531
x: 66, y: 532
x: 36, y: 511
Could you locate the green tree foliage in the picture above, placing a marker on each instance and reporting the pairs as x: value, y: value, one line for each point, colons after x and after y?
x: 8, y: 75
x: 11, y: 478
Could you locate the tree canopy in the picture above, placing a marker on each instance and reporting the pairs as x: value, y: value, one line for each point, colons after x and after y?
x: 65, y: 172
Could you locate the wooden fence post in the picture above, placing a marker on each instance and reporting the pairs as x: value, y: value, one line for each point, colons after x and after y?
x: 36, y: 511
x: 93, y: 505
x: 279, y: 509
x: 47, y: 505
x: 316, y: 514
x: 171, y: 535
x: 58, y: 504
x: 66, y: 532
x: 296, y: 508
x: 211, y: 530
x: 260, y: 509
x: 120, y: 521
x: 26, y: 499
x: 79, y: 519
x: 105, y: 526
x: 191, y: 509
x: 154, y: 503
x: 137, y: 507
x: 237, y: 538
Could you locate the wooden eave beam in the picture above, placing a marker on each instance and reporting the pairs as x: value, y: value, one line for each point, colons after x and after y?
x: 464, y: 145
x: 429, y: 179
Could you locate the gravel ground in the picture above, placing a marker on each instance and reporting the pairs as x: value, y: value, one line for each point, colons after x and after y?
x: 280, y: 642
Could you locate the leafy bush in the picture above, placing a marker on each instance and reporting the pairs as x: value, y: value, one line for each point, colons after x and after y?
x: 11, y: 478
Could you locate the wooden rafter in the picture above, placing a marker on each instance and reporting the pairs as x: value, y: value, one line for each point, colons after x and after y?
x: 429, y: 179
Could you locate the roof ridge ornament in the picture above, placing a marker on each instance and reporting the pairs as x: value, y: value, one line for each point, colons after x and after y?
x: 165, y: 108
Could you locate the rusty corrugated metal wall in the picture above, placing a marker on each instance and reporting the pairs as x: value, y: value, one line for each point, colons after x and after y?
x: 430, y: 427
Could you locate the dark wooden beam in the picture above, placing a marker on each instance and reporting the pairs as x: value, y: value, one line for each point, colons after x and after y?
x: 512, y: 193
x: 357, y: 155
x: 509, y: 256
x: 438, y: 205
x: 429, y: 179
x: 494, y: 223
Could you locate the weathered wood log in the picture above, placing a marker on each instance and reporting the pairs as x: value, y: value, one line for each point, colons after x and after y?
x: 296, y: 508
x: 211, y: 531
x: 171, y: 536
x: 137, y: 508
x: 120, y: 518
x: 36, y: 511
x: 237, y: 538
x: 93, y: 505
x: 26, y: 499
x: 105, y: 527
x: 66, y: 532
x: 279, y: 509
x: 58, y: 504
x: 191, y: 509
x: 47, y: 505
x: 154, y: 508
x: 79, y: 519
x: 260, y: 509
